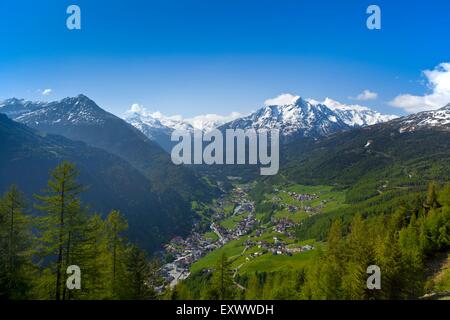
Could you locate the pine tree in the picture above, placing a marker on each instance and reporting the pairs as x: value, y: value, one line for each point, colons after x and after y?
x: 253, y: 291
x: 15, y: 246
x: 324, y: 279
x: 94, y: 260
x: 388, y: 258
x: 431, y: 201
x: 61, y: 222
x: 222, y: 282
x: 334, y: 240
x: 115, y: 226
x: 140, y: 275
x: 358, y: 257
x: 412, y: 259
x: 444, y: 196
x: 180, y: 292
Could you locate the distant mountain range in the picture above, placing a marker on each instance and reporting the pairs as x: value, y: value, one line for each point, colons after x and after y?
x: 312, y: 119
x: 326, y: 142
x: 159, y: 127
x: 81, y: 119
x: 356, y: 116
x: 300, y: 118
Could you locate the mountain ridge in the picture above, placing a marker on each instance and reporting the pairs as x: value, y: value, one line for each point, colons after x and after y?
x: 299, y: 118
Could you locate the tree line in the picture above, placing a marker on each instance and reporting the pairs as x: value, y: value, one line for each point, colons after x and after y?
x: 39, y: 241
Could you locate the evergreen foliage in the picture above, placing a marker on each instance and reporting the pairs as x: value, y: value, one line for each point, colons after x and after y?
x: 35, y: 253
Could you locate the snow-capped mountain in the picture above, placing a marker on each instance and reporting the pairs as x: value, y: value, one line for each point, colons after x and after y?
x: 149, y: 123
x: 296, y: 117
x: 299, y: 118
x: 150, y: 126
x: 209, y: 122
x: 356, y: 115
x: 153, y: 128
x: 16, y: 107
x: 293, y: 116
x: 140, y: 117
x: 81, y: 119
x: 159, y: 127
x: 439, y: 119
x: 73, y: 110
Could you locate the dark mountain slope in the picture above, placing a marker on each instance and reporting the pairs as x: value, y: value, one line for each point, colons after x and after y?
x: 376, y: 153
x: 380, y: 167
x: 27, y: 157
x: 81, y: 119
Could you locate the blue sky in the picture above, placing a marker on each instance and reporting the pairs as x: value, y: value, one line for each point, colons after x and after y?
x: 216, y: 56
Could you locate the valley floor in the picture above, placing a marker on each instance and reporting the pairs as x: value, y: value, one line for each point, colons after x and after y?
x: 253, y: 240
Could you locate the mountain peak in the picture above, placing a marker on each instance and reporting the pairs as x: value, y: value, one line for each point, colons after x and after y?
x: 293, y: 116
x: 299, y: 101
x: 79, y: 109
x: 80, y: 99
x: 12, y: 101
x: 282, y: 100
x: 84, y: 98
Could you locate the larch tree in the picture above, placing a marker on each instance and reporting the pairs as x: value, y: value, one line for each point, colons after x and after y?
x: 115, y: 226
x: 61, y: 221
x: 222, y: 281
x: 140, y: 275
x: 15, y: 245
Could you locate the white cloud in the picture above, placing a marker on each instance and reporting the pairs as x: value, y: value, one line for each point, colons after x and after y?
x: 438, y: 80
x: 281, y: 100
x: 136, y: 108
x: 209, y: 121
x: 159, y: 115
x: 45, y: 92
x: 366, y: 95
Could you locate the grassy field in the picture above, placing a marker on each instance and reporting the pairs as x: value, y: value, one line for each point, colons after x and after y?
x: 296, y: 217
x: 241, y: 257
x: 228, y: 209
x: 233, y: 249
x: 230, y: 223
x: 270, y: 263
x: 266, y: 262
x: 211, y: 235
